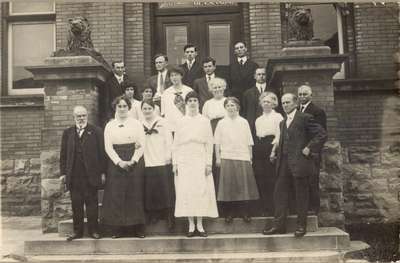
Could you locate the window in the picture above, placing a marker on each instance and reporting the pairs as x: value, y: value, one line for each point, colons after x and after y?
x: 176, y: 37
x: 219, y: 40
x: 31, y: 38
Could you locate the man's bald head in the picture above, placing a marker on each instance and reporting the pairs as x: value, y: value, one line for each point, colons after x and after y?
x: 289, y: 102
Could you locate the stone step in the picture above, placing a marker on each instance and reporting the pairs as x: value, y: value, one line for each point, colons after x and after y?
x: 327, y: 238
x: 259, y: 257
x: 213, y: 226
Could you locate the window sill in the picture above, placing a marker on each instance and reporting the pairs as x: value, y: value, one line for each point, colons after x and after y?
x: 20, y: 101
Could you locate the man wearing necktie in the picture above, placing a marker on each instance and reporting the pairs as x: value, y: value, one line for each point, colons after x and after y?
x: 113, y: 88
x: 301, y: 139
x: 160, y: 81
x: 192, y: 67
x: 201, y: 85
x: 307, y: 106
x: 241, y: 72
x: 82, y: 168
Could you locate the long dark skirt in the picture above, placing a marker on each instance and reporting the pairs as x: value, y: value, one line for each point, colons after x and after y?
x: 159, y: 188
x: 264, y: 172
x: 123, y: 194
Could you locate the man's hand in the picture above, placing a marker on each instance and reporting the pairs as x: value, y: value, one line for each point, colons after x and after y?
x: 208, y: 170
x: 103, y: 178
x: 306, y: 151
x: 62, y: 181
x: 175, y: 169
x: 62, y: 178
x: 272, y: 157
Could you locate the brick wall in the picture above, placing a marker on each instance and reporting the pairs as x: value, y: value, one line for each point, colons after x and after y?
x: 265, y: 31
x: 377, y: 39
x: 107, y: 24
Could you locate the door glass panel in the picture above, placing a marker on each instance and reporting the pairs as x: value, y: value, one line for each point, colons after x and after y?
x: 28, y: 7
x: 219, y: 36
x: 176, y: 37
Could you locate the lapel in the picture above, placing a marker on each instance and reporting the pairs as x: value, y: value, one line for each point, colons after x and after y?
x: 86, y: 134
x: 294, y: 121
x: 204, y: 82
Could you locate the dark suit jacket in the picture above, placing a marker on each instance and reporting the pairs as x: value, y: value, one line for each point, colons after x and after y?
x: 303, y: 131
x: 194, y: 73
x: 93, y: 153
x: 153, y: 81
x: 251, y: 107
x: 200, y: 85
x: 241, y: 77
x: 112, y: 90
x: 318, y: 114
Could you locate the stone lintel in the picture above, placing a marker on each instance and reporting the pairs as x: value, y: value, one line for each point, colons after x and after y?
x: 74, y: 67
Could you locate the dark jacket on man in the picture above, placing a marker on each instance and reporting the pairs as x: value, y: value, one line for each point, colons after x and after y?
x: 251, y: 107
x: 152, y: 82
x: 318, y: 114
x: 112, y: 89
x: 241, y: 77
x: 195, y: 72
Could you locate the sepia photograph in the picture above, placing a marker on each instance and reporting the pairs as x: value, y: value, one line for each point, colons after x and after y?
x: 199, y: 131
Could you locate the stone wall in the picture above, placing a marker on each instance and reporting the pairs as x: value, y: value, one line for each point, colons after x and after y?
x: 20, y: 187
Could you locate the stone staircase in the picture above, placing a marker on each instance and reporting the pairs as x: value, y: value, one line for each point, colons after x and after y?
x: 236, y: 242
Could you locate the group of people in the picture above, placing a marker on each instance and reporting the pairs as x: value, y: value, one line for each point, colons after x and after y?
x: 191, y: 144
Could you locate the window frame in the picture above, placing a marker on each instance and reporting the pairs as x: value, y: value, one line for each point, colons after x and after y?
x: 8, y: 19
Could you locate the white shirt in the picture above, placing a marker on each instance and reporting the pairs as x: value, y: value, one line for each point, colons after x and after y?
x: 157, y: 151
x: 120, y: 79
x: 135, y: 109
x: 268, y: 124
x: 190, y: 64
x: 210, y: 77
x: 234, y: 137
x: 261, y: 87
x: 128, y: 131
x: 244, y: 59
x: 162, y: 75
x: 81, y: 129
x: 304, y: 106
x: 213, y: 108
x: 168, y: 108
x: 290, y: 118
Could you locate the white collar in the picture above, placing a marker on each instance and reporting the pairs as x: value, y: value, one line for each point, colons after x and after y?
x: 163, y: 73
x: 244, y: 58
x: 305, y: 105
x: 119, y: 77
x: 262, y: 85
x: 291, y: 115
x: 84, y: 127
x: 190, y: 63
x: 211, y: 76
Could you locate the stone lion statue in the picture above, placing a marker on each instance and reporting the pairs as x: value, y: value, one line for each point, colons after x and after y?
x: 300, y: 24
x: 80, y: 42
x: 79, y: 34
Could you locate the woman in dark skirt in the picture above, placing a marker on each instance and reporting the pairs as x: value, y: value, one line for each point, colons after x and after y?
x: 124, y: 139
x: 159, y: 185
x: 267, y: 136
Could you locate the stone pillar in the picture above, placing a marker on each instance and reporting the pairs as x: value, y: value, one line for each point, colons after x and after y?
x: 68, y: 81
x: 316, y: 66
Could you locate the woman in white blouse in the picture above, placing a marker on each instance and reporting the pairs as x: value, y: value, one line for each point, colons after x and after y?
x: 124, y: 141
x: 192, y: 158
x: 267, y: 136
x: 233, y: 149
x: 158, y: 180
x: 214, y: 108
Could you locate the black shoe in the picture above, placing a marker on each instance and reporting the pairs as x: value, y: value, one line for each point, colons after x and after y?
x: 140, y: 234
x: 300, y: 232
x: 116, y: 235
x: 273, y: 231
x: 229, y: 219
x: 190, y: 234
x: 74, y: 236
x: 202, y: 234
x: 246, y: 219
x: 95, y: 235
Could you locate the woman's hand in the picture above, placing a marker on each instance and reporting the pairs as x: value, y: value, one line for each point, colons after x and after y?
x: 124, y: 165
x: 208, y: 170
x: 137, y: 145
x: 218, y: 162
x: 175, y: 169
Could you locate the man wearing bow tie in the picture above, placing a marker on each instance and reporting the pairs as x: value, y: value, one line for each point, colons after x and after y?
x: 82, y: 168
x: 307, y: 106
x: 241, y: 71
x: 301, y: 139
x: 192, y: 67
x: 113, y: 88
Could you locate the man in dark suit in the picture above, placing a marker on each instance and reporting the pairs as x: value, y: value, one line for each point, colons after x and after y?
x: 307, y: 106
x: 192, y: 67
x: 82, y: 167
x: 301, y: 139
x: 241, y: 72
x: 160, y: 81
x: 201, y: 85
x: 113, y: 88
x: 250, y: 104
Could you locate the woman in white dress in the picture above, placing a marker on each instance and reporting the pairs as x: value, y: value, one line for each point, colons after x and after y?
x: 233, y: 150
x: 214, y: 108
x: 158, y: 180
x: 124, y: 141
x: 192, y: 159
x: 267, y: 136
